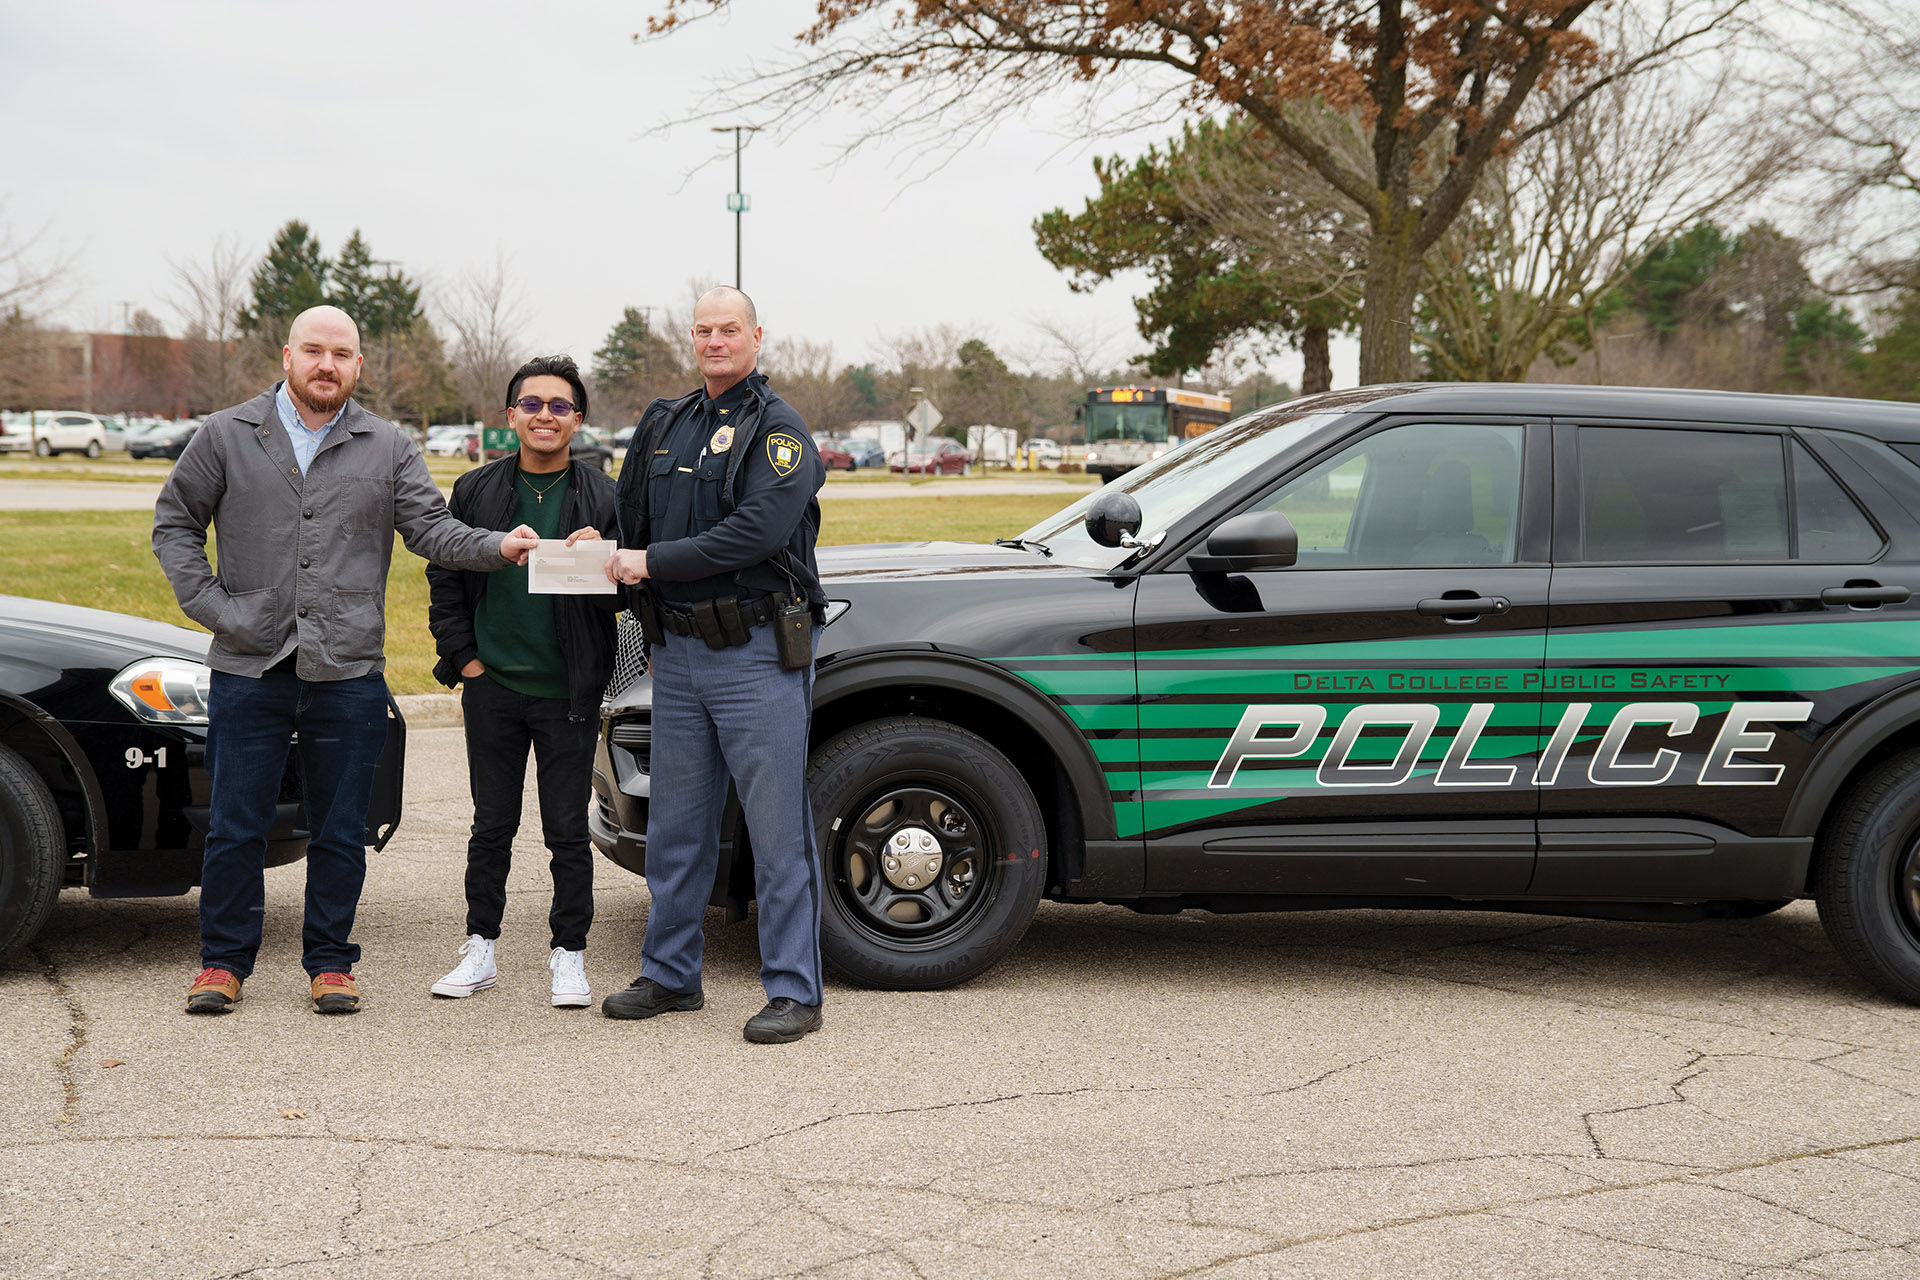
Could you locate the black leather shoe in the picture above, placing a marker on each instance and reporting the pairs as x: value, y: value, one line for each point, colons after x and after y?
x: 783, y: 1021
x: 646, y: 997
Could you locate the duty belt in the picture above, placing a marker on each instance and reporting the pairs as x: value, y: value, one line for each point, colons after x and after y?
x: 724, y: 622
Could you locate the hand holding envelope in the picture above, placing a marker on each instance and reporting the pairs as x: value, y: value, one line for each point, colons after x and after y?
x: 575, y: 567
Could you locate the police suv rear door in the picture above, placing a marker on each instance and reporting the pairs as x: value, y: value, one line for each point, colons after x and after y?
x: 1363, y: 721
x: 1720, y: 600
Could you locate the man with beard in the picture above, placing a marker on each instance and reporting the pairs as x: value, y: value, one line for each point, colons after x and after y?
x: 304, y: 490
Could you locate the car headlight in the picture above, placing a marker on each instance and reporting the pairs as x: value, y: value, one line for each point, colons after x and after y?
x: 165, y: 690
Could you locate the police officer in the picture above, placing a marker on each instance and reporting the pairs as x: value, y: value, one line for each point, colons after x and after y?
x: 717, y: 524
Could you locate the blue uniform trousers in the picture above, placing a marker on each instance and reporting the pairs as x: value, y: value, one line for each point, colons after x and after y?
x: 720, y: 713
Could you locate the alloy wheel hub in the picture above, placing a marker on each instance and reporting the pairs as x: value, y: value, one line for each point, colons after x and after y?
x: 912, y: 858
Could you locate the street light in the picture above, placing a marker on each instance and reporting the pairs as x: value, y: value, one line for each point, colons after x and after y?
x: 737, y: 202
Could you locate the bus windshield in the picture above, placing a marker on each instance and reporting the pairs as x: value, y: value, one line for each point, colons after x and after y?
x: 1147, y: 422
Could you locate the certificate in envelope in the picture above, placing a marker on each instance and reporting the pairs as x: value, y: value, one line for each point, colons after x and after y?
x: 556, y: 569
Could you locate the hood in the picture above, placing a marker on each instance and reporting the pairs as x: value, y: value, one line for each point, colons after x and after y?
x: 885, y: 561
x: 97, y: 628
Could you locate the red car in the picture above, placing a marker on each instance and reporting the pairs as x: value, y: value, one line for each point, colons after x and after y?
x: 944, y: 457
x: 849, y: 455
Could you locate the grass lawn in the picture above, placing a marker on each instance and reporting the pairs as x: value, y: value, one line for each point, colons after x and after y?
x: 104, y: 560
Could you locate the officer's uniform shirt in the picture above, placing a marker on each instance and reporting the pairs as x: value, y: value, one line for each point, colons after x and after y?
x: 684, y: 482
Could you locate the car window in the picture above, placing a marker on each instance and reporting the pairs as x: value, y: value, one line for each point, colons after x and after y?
x: 1422, y: 494
x: 1655, y: 495
x: 1831, y: 527
x: 70, y: 421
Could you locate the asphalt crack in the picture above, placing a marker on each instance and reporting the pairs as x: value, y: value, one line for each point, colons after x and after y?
x: 76, y: 1034
x: 937, y: 1106
x: 1678, y: 1099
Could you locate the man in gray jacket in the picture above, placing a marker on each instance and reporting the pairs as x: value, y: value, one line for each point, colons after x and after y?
x: 304, y: 490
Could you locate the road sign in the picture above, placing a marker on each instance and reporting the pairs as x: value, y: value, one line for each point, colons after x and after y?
x: 923, y: 417
x: 499, y: 440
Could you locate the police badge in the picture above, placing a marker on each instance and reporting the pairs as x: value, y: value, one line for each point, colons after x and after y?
x: 722, y: 439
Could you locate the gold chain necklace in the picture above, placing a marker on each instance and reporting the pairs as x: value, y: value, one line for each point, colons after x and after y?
x: 539, y: 494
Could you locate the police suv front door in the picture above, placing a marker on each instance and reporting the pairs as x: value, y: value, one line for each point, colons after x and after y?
x: 1364, y: 721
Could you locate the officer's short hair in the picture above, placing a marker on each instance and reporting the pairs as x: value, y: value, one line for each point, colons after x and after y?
x: 727, y: 290
x: 551, y: 367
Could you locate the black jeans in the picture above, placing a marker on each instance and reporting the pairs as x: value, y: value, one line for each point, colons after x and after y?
x: 501, y: 725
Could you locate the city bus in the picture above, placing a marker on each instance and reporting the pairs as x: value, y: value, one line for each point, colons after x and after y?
x: 1127, y: 426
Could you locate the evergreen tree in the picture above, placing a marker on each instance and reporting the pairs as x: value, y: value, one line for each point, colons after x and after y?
x: 632, y: 366
x: 380, y: 298
x: 291, y: 278
x: 1891, y: 371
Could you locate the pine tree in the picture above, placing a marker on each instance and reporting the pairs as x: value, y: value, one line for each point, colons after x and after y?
x: 379, y: 297
x: 291, y: 278
x: 634, y: 365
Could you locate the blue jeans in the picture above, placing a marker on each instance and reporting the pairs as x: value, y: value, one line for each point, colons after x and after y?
x: 342, y: 726
x: 720, y: 713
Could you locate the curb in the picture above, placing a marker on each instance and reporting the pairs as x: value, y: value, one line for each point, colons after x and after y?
x: 430, y: 710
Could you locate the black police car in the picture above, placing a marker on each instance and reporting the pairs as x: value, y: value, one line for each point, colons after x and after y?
x: 1635, y: 654
x: 103, y: 781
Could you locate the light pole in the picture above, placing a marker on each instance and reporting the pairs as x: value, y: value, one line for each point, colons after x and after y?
x: 737, y: 201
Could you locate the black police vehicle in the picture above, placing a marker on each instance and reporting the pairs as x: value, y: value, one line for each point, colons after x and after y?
x: 1624, y: 653
x: 103, y: 781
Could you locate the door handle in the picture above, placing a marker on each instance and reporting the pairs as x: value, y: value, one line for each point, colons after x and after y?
x: 1865, y: 595
x: 1462, y: 608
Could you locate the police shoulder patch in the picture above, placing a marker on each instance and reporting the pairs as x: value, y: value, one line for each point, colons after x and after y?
x: 783, y: 451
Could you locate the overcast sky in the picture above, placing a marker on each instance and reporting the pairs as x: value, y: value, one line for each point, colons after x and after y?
x: 140, y: 133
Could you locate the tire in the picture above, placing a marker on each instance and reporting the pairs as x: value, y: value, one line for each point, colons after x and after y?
x: 33, y: 852
x: 1867, y: 878
x: 93, y: 448
x: 43, y: 447
x: 927, y: 782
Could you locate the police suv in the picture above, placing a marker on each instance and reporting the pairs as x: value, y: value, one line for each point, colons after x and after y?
x: 1612, y: 652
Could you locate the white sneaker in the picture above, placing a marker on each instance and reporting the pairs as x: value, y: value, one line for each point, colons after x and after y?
x: 569, y: 979
x: 474, y: 973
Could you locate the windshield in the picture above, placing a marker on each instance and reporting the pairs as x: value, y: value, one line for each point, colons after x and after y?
x: 1169, y: 487
x: 1146, y: 422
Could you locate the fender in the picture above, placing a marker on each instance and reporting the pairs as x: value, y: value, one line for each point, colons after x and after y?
x: 76, y: 760
x: 858, y: 672
x: 1853, y: 742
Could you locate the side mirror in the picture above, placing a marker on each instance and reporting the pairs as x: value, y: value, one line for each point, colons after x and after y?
x: 1251, y: 540
x: 1113, y: 517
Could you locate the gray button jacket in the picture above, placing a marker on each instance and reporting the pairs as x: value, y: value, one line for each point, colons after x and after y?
x: 303, y: 560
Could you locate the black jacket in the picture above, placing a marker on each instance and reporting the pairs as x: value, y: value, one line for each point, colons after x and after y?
x: 584, y: 624
x: 766, y: 499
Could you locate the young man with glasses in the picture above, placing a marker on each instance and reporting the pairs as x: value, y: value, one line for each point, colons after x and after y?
x: 532, y: 669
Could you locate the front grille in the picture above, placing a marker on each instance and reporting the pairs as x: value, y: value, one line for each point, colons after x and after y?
x: 637, y: 737
x: 629, y: 656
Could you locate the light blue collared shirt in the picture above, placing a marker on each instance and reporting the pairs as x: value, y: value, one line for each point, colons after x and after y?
x: 306, y: 442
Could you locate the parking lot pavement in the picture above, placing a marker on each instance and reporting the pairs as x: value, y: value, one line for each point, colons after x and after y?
x: 1334, y: 1094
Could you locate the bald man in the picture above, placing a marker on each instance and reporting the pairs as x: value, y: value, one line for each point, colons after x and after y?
x: 304, y: 490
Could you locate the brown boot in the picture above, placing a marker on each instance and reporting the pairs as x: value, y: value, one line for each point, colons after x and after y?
x: 214, y: 991
x: 335, y: 993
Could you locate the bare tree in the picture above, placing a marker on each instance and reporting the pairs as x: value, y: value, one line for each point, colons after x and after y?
x: 1558, y: 223
x: 488, y: 317
x: 1419, y: 75
x: 803, y: 374
x: 33, y: 281
x: 210, y: 295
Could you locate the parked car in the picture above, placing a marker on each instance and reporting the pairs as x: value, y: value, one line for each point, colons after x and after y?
x: 849, y: 455
x: 447, y: 442
x: 1582, y: 651
x: 1044, y: 452
x: 593, y: 447
x: 61, y: 431
x: 944, y: 457
x: 166, y: 441
x: 103, y: 782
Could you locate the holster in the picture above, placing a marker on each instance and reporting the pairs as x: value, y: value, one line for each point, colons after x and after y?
x: 647, y: 609
x: 793, y: 636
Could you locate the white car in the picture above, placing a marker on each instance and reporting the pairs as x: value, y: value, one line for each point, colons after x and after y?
x: 447, y: 442
x: 61, y: 431
x: 1044, y: 452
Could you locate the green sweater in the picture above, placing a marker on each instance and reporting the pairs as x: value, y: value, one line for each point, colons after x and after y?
x: 512, y: 628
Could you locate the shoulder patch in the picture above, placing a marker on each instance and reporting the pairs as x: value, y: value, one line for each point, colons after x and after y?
x: 783, y: 451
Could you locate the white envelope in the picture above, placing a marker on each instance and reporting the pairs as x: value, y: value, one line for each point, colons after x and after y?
x: 556, y: 569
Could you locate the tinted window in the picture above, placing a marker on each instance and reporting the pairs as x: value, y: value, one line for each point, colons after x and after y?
x: 1682, y: 496
x: 1831, y: 526
x: 1421, y: 494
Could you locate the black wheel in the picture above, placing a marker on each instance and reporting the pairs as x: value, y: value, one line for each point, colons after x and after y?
x: 933, y: 850
x: 850, y: 466
x: 93, y: 448
x: 43, y: 447
x: 1867, y: 878
x: 32, y: 852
